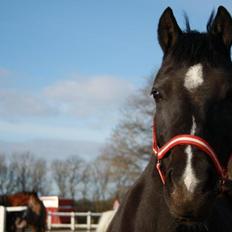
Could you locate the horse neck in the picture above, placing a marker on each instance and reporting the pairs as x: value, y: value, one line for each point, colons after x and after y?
x: 145, y: 196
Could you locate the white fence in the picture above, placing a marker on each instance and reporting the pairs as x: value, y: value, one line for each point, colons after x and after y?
x: 74, y: 225
x: 3, y: 211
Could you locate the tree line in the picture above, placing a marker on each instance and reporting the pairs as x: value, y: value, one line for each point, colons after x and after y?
x: 71, y: 177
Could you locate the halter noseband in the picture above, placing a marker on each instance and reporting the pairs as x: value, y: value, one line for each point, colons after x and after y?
x: 186, y: 139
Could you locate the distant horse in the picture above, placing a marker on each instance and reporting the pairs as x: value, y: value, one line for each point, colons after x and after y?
x: 185, y: 185
x: 34, y: 216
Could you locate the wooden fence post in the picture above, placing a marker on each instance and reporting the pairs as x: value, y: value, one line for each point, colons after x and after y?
x: 2, y: 219
x: 72, y: 221
x: 49, y: 221
x: 89, y: 221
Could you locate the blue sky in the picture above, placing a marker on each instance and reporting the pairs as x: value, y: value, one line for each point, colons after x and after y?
x: 67, y: 66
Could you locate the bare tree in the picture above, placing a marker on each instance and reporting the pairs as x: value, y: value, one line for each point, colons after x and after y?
x: 7, y: 178
x: 68, y: 175
x: 21, y: 166
x: 133, y: 135
x: 123, y: 174
x: 85, y: 184
x: 40, y: 180
x: 76, y: 168
x: 60, y: 174
x: 100, y: 173
x: 129, y: 147
x: 28, y: 173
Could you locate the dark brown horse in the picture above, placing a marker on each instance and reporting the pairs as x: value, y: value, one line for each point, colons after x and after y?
x: 183, y: 187
x: 34, y: 216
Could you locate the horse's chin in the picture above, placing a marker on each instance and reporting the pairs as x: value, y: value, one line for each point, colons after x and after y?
x: 194, y: 210
x: 194, y: 218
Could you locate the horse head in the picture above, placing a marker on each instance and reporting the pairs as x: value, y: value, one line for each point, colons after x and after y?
x: 193, y: 95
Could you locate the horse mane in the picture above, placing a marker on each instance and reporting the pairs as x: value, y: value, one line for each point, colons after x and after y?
x: 187, y: 24
x: 193, y: 46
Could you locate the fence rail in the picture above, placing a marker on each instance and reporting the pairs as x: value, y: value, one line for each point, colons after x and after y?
x: 73, y: 225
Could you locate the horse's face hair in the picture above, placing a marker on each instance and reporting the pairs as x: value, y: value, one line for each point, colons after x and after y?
x: 193, y: 93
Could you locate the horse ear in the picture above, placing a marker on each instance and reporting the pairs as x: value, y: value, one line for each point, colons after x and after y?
x: 222, y: 26
x: 168, y: 30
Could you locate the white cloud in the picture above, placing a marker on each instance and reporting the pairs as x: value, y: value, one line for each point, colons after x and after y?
x: 96, y: 96
x: 14, y: 104
x: 73, y: 109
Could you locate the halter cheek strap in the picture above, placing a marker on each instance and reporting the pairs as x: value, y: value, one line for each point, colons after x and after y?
x: 186, y: 139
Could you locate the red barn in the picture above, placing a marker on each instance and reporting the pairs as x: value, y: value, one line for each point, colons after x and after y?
x: 58, y: 204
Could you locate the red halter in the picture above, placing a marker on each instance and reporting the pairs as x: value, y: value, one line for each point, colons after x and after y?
x: 186, y: 140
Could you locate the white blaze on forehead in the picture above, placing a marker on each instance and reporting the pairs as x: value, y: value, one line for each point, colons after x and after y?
x: 194, y: 77
x: 189, y: 176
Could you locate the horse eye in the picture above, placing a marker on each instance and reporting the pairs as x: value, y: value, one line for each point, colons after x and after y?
x: 156, y: 95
